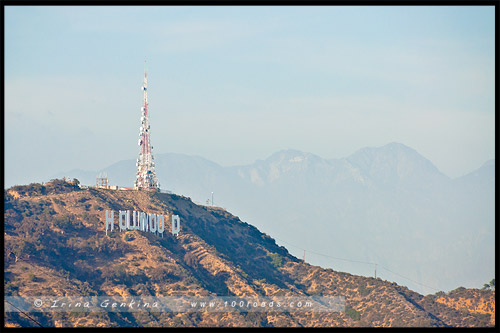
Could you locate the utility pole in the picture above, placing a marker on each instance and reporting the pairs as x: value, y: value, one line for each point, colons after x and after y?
x: 304, y: 259
x: 375, y: 271
x: 212, y: 198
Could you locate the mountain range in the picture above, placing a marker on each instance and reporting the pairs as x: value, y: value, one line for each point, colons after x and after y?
x: 388, y: 206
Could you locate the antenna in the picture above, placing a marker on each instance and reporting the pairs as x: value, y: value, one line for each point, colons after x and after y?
x: 102, y: 180
x: 146, y: 175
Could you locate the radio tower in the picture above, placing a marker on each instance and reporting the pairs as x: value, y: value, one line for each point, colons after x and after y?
x: 146, y: 176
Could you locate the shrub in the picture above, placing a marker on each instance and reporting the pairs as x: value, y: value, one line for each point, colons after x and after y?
x: 10, y: 289
x: 59, y: 202
x: 276, y: 259
x: 63, y: 222
x: 191, y: 260
x: 355, y: 315
x: 20, y: 248
x: 457, y: 290
x: 364, y: 291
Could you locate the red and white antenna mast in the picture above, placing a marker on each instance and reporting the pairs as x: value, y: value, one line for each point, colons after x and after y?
x: 146, y: 175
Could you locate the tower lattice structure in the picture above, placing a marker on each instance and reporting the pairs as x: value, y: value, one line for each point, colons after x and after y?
x: 146, y: 175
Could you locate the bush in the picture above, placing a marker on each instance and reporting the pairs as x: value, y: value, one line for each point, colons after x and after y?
x: 59, y: 202
x: 276, y: 260
x: 164, y: 274
x: 191, y: 260
x: 56, y: 186
x: 457, y: 290
x: 364, y: 291
x: 10, y: 289
x: 20, y: 248
x: 355, y: 315
x: 63, y: 222
x: 32, y: 189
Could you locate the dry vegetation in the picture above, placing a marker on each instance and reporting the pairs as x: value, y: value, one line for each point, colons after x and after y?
x: 55, y: 244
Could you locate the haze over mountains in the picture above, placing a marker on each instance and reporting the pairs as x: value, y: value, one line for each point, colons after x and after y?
x: 387, y: 205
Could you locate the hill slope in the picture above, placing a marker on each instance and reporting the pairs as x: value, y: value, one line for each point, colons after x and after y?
x: 55, y: 244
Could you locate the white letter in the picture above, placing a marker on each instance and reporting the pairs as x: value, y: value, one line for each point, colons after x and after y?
x: 161, y: 224
x: 136, y: 219
x: 144, y: 221
x: 123, y: 214
x: 176, y: 224
x: 129, y: 227
x: 109, y: 221
x: 152, y: 223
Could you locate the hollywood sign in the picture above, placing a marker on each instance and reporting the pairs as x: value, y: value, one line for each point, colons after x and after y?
x: 141, y: 221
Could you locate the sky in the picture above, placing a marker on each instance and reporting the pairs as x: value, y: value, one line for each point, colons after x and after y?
x: 236, y: 84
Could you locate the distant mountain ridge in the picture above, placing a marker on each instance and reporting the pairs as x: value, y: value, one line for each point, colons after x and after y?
x: 368, y: 160
x: 386, y: 204
x: 395, y: 163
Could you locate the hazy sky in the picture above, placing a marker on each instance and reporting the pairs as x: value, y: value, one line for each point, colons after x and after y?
x: 235, y: 84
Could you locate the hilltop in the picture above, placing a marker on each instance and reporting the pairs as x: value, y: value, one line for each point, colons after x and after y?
x: 55, y: 244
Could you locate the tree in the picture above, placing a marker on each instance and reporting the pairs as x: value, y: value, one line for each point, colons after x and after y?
x: 489, y: 286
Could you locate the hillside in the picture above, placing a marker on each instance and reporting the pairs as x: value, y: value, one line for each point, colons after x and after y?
x: 55, y: 244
